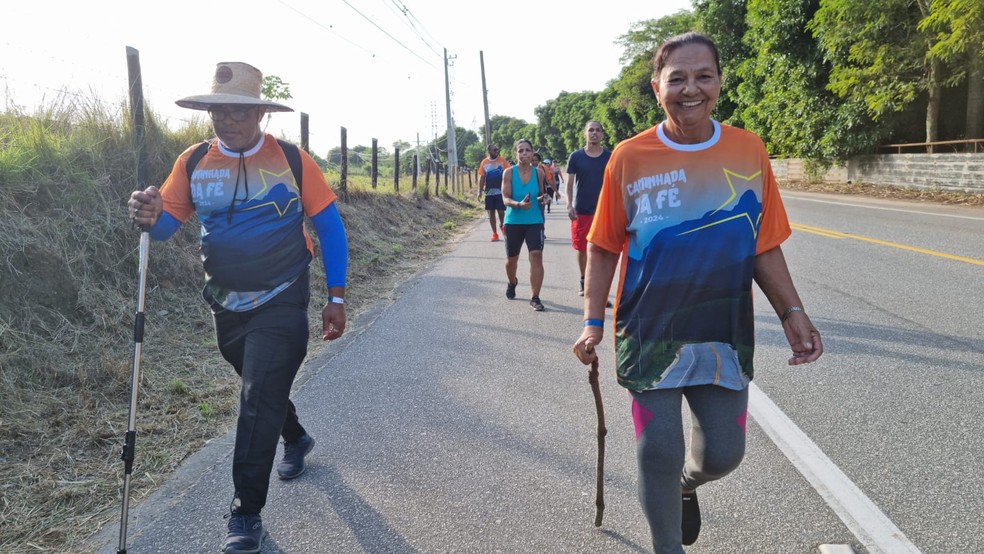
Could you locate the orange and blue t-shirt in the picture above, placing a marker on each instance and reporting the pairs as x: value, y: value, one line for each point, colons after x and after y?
x: 251, y: 213
x: 493, y: 170
x: 689, y: 220
x: 549, y: 173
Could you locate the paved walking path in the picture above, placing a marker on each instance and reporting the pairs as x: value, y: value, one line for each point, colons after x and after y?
x: 454, y: 420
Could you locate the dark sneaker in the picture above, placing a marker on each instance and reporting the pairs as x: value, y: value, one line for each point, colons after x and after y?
x: 580, y: 291
x: 245, y: 535
x: 511, y: 290
x: 536, y: 304
x: 292, y: 466
x: 691, y: 518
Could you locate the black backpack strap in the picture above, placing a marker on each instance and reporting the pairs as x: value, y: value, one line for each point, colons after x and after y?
x: 291, y: 152
x: 293, y: 155
x: 196, y: 156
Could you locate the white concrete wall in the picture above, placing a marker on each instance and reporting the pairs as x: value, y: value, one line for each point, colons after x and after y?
x: 951, y: 172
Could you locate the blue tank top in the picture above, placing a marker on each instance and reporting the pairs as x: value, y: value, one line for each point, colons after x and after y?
x: 531, y: 215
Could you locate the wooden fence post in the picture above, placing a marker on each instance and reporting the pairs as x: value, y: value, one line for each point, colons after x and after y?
x: 304, y: 132
x: 415, y: 168
x: 427, y: 179
x: 343, y: 170
x: 137, y: 113
x: 396, y: 169
x: 375, y: 161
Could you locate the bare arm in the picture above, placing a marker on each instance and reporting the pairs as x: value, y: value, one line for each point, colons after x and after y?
x: 597, y: 283
x: 772, y: 276
x: 570, y: 196
x: 507, y: 190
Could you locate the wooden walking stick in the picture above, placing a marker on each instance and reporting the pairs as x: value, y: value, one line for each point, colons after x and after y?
x: 602, y: 431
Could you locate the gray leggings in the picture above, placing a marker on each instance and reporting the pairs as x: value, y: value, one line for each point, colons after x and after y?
x: 717, y: 445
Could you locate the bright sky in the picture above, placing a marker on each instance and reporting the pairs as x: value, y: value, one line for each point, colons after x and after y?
x: 373, y: 66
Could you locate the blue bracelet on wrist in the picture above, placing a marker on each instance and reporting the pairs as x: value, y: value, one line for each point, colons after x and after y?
x: 594, y: 322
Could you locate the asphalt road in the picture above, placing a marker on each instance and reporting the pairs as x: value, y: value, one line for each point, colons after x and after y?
x: 454, y: 420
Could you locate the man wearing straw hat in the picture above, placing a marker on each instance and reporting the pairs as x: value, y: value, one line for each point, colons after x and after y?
x: 256, y: 256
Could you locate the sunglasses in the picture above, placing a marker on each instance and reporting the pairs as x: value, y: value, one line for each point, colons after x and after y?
x: 236, y: 115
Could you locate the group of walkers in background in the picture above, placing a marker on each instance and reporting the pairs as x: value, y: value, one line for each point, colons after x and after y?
x: 521, y: 194
x: 689, y: 208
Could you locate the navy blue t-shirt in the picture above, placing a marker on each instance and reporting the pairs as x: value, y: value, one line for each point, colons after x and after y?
x: 590, y: 174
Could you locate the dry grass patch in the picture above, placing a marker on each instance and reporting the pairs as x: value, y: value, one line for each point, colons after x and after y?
x: 881, y: 191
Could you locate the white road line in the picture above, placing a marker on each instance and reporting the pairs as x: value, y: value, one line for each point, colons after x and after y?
x: 836, y: 549
x: 870, y: 207
x: 863, y: 518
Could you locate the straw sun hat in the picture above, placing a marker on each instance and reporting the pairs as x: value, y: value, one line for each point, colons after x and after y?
x: 233, y: 83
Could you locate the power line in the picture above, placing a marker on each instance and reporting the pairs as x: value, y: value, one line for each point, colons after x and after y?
x: 327, y: 28
x: 409, y: 20
x: 374, y: 24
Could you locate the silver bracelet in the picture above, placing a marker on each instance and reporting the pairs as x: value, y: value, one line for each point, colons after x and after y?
x: 789, y: 310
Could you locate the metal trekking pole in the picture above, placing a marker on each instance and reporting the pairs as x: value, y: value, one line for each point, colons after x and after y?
x: 602, y: 431
x: 129, y: 442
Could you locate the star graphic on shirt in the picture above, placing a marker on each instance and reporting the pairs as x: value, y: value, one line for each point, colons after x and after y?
x: 728, y: 174
x: 280, y: 202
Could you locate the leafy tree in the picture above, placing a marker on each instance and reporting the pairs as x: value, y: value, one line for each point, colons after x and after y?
x: 402, y: 145
x: 644, y: 37
x: 959, y: 33
x: 725, y: 22
x: 360, y: 156
x: 627, y: 105
x: 274, y: 88
x: 322, y: 163
x: 782, y: 95
x: 574, y: 110
x: 474, y: 154
x: 505, y: 131
x: 407, y: 151
x: 463, y: 137
x: 550, y: 139
x: 879, y: 55
x: 614, y: 116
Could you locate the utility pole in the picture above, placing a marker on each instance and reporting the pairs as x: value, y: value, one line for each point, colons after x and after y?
x: 452, y: 141
x: 485, y: 100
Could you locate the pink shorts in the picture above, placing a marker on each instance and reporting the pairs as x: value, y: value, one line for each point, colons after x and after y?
x: 579, y: 231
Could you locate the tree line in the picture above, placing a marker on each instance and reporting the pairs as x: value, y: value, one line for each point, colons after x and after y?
x: 822, y: 80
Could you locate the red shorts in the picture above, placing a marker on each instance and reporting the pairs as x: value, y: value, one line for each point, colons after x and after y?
x: 579, y: 231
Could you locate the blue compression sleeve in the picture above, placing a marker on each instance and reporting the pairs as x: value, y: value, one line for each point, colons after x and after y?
x: 165, y: 227
x: 334, y: 244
